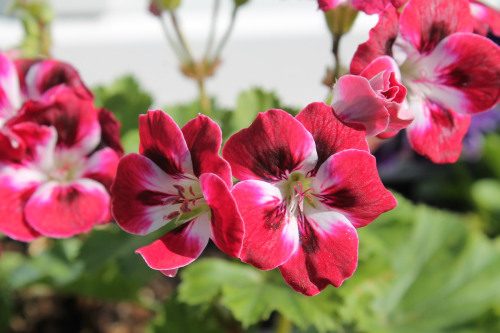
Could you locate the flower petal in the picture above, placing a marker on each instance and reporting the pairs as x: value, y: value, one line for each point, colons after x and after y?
x: 271, y: 233
x: 162, y: 141
x: 10, y: 95
x: 178, y: 247
x: 348, y: 182
x: 437, y: 133
x: 465, y: 73
x: 355, y: 102
x: 57, y: 210
x: 140, y: 191
x: 329, y: 133
x: 226, y: 223
x: 380, y: 43
x: 101, y: 166
x: 75, y: 119
x: 328, y: 253
x: 204, y: 138
x: 44, y: 75
x: 272, y: 147
x: 424, y: 23
x: 110, y: 131
x: 17, y: 184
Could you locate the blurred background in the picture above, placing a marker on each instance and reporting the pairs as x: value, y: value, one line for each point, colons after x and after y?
x: 280, y: 45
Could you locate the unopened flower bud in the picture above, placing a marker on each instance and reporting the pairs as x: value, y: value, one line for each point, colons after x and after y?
x: 238, y: 3
x: 340, y: 19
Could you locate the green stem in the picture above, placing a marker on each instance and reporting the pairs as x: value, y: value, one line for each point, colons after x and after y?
x: 213, y: 24
x: 206, y: 107
x: 335, y: 50
x: 181, y: 55
x: 182, y: 40
x: 226, y: 34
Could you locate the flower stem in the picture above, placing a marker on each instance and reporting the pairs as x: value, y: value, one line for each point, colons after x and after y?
x: 225, y: 38
x: 182, y: 40
x: 213, y: 24
x: 206, y: 107
x: 181, y: 56
x: 335, y: 50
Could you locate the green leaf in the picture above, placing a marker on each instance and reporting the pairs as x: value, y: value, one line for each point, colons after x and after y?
x: 125, y: 99
x: 174, y: 316
x: 252, y: 295
x: 437, y: 273
x: 249, y: 104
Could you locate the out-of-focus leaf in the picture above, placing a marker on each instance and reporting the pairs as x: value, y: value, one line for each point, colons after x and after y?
x: 130, y: 141
x: 490, y: 153
x: 54, y: 266
x: 125, y: 99
x: 175, y: 316
x: 438, y: 272
x: 249, y: 104
x: 184, y: 112
x: 486, y: 194
x: 252, y: 295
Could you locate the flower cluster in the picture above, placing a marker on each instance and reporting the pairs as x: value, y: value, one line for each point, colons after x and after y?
x: 304, y: 183
x: 58, y: 152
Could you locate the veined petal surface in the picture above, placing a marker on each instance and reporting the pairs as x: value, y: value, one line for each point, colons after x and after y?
x: 226, y: 222
x: 204, y: 138
x: 178, y: 247
x: 275, y: 145
x: 162, y: 141
x: 463, y: 73
x: 271, y: 232
x: 328, y: 252
x: 348, y: 182
x: 380, y: 43
x: 329, y: 133
x: 436, y: 132
x: 424, y: 23
x: 144, y: 195
x: 355, y: 101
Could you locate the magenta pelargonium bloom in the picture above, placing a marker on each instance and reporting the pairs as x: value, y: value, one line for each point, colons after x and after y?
x: 178, y: 178
x: 59, y: 187
x: 450, y: 72
x: 306, y: 184
x: 374, y: 99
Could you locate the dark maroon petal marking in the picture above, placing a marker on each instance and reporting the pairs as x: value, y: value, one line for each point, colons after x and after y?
x: 272, y: 147
x: 162, y: 141
x: 204, y: 138
x: 382, y: 37
x: 271, y: 235
x: 330, y: 134
x: 424, y: 23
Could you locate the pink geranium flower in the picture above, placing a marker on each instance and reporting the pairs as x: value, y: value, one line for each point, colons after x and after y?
x: 59, y: 187
x: 178, y: 178
x: 28, y: 80
x: 450, y: 73
x: 374, y: 99
x: 307, y: 184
